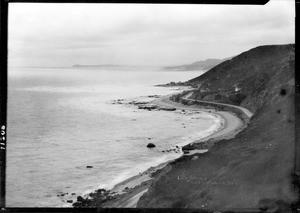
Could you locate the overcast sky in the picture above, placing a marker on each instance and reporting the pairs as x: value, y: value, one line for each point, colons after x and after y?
x: 142, y: 34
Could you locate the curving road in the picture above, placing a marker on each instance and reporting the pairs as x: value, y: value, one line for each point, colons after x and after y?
x: 246, y: 111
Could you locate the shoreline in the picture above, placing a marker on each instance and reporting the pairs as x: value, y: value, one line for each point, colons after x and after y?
x: 230, y: 127
x: 126, y: 193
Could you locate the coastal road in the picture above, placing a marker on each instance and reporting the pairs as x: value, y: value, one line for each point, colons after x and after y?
x: 246, y: 111
x: 231, y: 126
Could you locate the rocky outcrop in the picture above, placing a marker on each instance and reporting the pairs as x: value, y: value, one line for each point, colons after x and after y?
x: 144, y: 104
x: 148, y: 106
x: 151, y: 145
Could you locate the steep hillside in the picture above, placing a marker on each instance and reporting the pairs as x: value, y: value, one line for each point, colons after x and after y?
x: 249, y: 78
x: 253, y: 170
x: 198, y: 65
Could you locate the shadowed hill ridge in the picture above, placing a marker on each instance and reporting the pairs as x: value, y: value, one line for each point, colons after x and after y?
x: 254, y: 169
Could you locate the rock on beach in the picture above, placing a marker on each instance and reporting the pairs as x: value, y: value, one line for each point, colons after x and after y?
x: 151, y: 145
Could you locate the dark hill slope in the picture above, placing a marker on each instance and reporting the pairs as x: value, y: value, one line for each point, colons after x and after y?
x: 256, y: 72
x: 252, y: 170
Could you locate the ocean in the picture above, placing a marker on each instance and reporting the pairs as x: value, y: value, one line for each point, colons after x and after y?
x: 61, y: 120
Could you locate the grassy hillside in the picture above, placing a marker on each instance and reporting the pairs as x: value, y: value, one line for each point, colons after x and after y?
x: 253, y: 170
x: 256, y: 73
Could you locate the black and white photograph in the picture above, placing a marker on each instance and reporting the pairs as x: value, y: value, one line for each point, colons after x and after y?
x: 182, y: 106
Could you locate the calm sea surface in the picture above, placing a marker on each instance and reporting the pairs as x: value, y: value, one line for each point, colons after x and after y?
x: 62, y: 120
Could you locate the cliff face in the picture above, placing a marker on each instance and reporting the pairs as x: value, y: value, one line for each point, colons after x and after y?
x: 254, y: 169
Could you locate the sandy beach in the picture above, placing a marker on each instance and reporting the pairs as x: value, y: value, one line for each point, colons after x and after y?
x: 231, y: 126
x: 127, y: 193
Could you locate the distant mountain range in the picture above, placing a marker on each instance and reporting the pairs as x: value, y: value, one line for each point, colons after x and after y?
x: 198, y: 65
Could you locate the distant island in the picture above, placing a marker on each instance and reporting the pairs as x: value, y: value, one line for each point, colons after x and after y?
x: 198, y: 65
x: 99, y: 65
